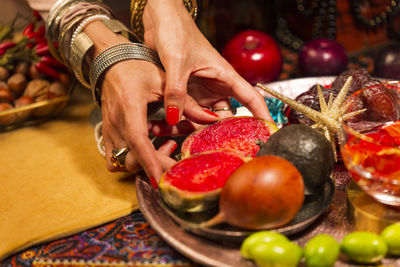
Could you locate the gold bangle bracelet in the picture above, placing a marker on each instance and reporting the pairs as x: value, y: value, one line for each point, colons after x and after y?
x: 115, y: 54
x: 137, y: 8
x: 52, y: 27
x: 56, y: 14
x: 69, y: 28
x: 82, y: 44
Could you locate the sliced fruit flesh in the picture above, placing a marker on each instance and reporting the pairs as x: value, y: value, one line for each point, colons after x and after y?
x: 239, y: 135
x: 203, y: 172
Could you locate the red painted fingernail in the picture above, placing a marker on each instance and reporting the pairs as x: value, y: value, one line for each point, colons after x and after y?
x: 164, y: 143
x: 172, y: 115
x: 174, y: 147
x: 149, y: 125
x: 210, y: 112
x: 153, y: 182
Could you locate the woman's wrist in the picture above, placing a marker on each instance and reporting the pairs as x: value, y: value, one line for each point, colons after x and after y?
x: 101, y: 41
x: 159, y: 9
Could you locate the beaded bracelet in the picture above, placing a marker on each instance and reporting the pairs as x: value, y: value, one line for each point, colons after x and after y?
x: 86, y: 22
x: 115, y: 54
x: 57, y: 12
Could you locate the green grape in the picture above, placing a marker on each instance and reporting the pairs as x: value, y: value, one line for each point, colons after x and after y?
x: 391, y: 235
x: 276, y: 254
x: 364, y: 247
x: 321, y: 251
x: 260, y: 237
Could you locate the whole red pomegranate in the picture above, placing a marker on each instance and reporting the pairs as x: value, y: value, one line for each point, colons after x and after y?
x: 255, y: 55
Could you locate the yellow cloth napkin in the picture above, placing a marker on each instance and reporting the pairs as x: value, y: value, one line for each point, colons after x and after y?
x: 54, y: 182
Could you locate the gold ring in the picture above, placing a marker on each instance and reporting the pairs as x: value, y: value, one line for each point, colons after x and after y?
x: 118, y: 156
x: 232, y: 109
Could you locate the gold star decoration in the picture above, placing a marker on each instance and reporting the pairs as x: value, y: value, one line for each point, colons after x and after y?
x: 331, y: 116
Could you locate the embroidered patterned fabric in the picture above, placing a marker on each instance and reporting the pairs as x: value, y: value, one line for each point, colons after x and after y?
x: 129, y: 241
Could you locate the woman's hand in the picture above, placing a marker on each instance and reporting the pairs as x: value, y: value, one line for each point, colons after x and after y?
x: 125, y: 95
x: 186, y: 53
x: 127, y: 87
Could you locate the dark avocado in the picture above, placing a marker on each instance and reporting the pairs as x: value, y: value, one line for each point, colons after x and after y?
x: 307, y: 149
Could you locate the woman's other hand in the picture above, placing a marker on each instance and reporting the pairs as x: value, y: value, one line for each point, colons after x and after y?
x: 188, y: 56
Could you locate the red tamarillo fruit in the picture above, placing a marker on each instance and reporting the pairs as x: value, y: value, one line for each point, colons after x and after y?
x: 243, y: 135
x: 263, y: 193
x: 193, y: 184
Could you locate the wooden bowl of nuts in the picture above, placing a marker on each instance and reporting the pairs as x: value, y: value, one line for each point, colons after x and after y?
x: 34, y: 86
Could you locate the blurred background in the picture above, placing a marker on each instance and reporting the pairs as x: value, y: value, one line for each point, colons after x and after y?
x: 367, y: 29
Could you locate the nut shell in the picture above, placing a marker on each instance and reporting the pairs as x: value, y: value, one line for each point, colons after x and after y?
x: 17, y: 83
x: 7, y: 119
x: 22, y: 68
x: 57, y: 89
x: 4, y: 73
x: 6, y: 95
x: 38, y: 89
x: 20, y: 102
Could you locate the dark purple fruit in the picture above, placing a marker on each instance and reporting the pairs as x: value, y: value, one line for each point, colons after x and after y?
x: 310, y: 99
x: 309, y: 151
x: 360, y: 79
x: 322, y: 56
x: 387, y: 62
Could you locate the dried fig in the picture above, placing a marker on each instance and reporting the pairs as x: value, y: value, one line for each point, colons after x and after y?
x: 382, y: 106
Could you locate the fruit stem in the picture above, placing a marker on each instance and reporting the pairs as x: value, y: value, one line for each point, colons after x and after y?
x: 250, y: 45
x: 217, y: 219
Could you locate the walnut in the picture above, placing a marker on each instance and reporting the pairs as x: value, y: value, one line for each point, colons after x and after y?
x: 20, y: 102
x: 38, y: 89
x: 17, y: 83
x: 6, y: 95
x: 4, y: 73
x: 7, y: 119
x: 22, y: 68
x: 57, y: 89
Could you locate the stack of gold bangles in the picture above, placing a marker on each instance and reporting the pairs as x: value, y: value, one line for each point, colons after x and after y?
x: 117, y: 53
x: 65, y: 25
